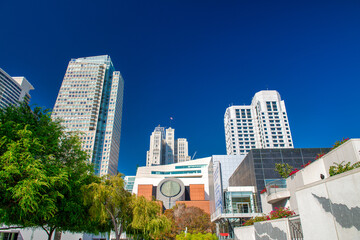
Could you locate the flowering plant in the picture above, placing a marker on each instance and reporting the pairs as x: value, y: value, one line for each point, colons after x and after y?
x: 276, y: 214
x: 338, y: 143
x: 293, y: 172
x: 307, y: 164
x: 281, y: 213
x: 319, y: 156
x: 263, y: 191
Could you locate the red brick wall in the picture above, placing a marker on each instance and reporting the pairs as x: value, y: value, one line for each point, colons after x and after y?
x: 145, y: 190
x: 197, y: 192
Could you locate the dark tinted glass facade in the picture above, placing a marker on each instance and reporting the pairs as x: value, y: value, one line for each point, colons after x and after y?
x: 259, y: 165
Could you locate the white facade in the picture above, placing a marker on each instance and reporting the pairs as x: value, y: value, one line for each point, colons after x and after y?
x: 13, y: 89
x: 129, y: 183
x: 90, y: 101
x: 182, y: 150
x: 165, y: 149
x: 263, y: 124
x: 170, y: 146
x: 192, y: 172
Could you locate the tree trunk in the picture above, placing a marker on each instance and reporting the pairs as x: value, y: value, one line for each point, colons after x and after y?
x: 57, y: 235
x: 51, y: 233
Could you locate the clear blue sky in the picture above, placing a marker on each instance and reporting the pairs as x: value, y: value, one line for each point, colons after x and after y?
x: 190, y: 59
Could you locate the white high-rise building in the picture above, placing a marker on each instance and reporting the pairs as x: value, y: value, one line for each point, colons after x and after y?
x: 165, y: 149
x: 263, y: 124
x: 182, y: 150
x: 90, y: 101
x: 13, y: 89
x: 155, y: 154
x: 170, y: 146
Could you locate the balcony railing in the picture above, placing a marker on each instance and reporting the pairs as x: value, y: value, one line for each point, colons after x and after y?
x: 276, y: 186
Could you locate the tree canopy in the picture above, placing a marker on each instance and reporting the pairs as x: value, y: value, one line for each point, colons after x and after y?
x: 110, y: 202
x: 194, y: 219
x: 42, y: 170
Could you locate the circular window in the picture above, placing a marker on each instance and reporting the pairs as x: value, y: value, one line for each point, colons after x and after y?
x: 170, y: 188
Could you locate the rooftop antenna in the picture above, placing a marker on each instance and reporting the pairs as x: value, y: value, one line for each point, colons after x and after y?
x: 193, y: 155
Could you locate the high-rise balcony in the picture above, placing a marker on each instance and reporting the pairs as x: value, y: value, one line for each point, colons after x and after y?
x: 276, y: 191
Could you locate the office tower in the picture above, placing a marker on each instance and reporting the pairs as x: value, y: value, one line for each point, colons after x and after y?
x: 13, y: 89
x: 155, y: 154
x: 90, y: 101
x: 165, y: 149
x: 181, y: 150
x: 169, y: 146
x: 263, y: 124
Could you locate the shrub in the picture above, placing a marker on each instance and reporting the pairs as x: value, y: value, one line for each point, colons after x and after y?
x: 341, y: 167
x: 196, y: 236
x: 281, y: 213
x: 338, y: 143
x: 284, y: 169
x: 276, y: 214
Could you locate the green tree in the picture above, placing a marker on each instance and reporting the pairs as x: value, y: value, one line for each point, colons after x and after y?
x: 42, y: 169
x: 284, y: 169
x: 148, y: 222
x: 110, y: 202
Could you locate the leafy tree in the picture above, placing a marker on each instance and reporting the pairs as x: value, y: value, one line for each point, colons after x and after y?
x: 110, y: 202
x: 42, y: 169
x: 284, y: 169
x: 192, y: 218
x: 148, y: 222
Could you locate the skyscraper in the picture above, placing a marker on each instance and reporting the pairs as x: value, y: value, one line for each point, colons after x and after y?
x: 165, y: 149
x: 90, y: 101
x: 13, y: 89
x: 263, y: 124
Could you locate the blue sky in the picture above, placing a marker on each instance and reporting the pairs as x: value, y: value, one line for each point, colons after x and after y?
x: 191, y: 59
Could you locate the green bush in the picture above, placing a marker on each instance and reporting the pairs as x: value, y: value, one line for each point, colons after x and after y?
x: 276, y: 214
x: 284, y: 169
x: 341, y: 167
x: 196, y: 236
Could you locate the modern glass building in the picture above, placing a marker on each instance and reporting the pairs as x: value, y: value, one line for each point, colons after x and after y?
x: 13, y: 89
x: 129, y: 183
x: 90, y: 101
x: 258, y: 167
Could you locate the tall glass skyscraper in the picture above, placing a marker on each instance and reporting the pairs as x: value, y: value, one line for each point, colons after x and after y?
x: 90, y: 101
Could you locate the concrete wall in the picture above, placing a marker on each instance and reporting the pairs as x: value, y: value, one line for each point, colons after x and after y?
x: 272, y: 230
x: 347, y: 152
x: 266, y: 207
x: 245, y: 233
x: 330, y: 209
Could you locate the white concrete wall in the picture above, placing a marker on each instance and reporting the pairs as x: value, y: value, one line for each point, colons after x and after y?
x: 347, y: 152
x: 273, y: 230
x: 244, y: 233
x: 277, y: 229
x: 330, y: 209
x: 266, y: 207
